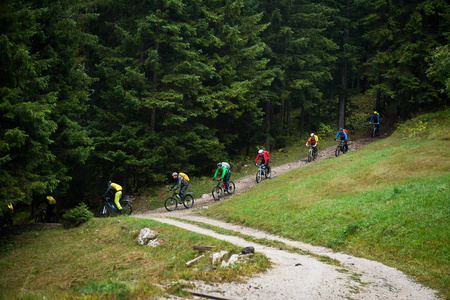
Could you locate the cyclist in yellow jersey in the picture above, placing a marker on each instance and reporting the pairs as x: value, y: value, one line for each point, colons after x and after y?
x: 51, y: 204
x: 116, y: 191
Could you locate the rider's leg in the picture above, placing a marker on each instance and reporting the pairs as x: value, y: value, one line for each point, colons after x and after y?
x: 267, y: 166
x: 50, y: 212
x: 183, y: 190
x: 117, y: 197
x: 226, y: 180
x: 346, y: 146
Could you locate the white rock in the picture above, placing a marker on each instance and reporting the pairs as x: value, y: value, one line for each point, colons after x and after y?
x: 216, y: 256
x: 233, y: 259
x: 145, y: 236
x: 153, y: 243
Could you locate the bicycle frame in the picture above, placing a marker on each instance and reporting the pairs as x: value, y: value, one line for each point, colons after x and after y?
x: 113, y: 205
x: 171, y: 203
x: 220, y: 183
x: 374, y: 129
x: 218, y: 190
x: 262, y: 167
x: 176, y: 195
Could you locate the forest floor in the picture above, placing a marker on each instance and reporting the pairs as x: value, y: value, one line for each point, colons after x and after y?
x: 295, y: 276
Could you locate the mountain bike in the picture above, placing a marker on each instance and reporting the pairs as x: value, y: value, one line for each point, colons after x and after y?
x: 262, y: 171
x: 340, y: 148
x: 172, y: 202
x: 217, y: 191
x: 312, y: 153
x: 374, y: 129
x: 110, y: 207
x: 42, y: 217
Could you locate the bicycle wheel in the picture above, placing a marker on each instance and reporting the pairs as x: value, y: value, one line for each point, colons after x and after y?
x: 231, y: 187
x: 188, y: 201
x: 104, y: 211
x: 315, y: 155
x: 338, y: 149
x: 127, y: 208
x: 171, y: 203
x: 374, y: 132
x: 217, y: 192
x: 258, y: 176
x: 310, y: 155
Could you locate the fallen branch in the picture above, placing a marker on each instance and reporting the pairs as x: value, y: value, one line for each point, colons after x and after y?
x: 195, y: 259
x: 210, y: 296
x: 203, y: 248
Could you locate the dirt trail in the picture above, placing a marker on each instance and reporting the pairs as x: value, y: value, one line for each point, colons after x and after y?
x: 296, y: 276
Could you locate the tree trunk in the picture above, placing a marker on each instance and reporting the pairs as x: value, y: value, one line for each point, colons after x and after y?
x: 268, y: 123
x: 344, y: 75
x: 302, y: 120
x: 155, y: 81
x: 280, y: 128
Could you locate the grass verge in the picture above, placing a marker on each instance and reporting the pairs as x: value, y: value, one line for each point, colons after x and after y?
x: 102, y: 260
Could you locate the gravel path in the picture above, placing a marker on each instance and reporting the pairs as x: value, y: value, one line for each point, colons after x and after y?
x: 296, y: 276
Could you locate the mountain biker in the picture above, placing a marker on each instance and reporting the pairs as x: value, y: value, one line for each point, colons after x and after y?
x: 313, y: 141
x: 343, y: 134
x: 226, y: 173
x: 7, y: 215
x: 51, y: 203
x: 182, y: 182
x: 116, y: 191
x: 376, y: 119
x: 264, y: 159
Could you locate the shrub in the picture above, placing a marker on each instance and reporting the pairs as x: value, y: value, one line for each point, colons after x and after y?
x: 77, y: 216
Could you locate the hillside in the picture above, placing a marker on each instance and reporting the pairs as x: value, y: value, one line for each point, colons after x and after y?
x: 387, y: 202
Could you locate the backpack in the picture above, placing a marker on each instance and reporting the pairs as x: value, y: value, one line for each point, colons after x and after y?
x: 184, y: 176
x: 266, y: 153
x: 226, y: 165
x: 317, y: 138
x: 51, y: 200
x: 345, y: 130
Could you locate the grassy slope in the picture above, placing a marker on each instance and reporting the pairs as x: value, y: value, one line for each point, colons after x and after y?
x: 388, y: 201
x: 102, y: 259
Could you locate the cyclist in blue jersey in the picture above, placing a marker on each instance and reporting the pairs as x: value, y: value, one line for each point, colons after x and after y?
x: 375, y: 118
x: 343, y: 134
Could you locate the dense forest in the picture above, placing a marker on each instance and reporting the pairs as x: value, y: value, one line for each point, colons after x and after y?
x: 93, y: 90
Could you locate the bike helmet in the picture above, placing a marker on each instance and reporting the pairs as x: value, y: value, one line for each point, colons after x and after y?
x: 340, y: 129
x: 375, y: 113
x: 10, y: 206
x: 312, y: 134
x: 174, y: 174
x: 109, y: 182
x: 219, y: 164
x: 260, y: 151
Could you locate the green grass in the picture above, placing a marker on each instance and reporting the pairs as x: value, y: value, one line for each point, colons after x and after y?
x: 388, y: 201
x: 102, y: 259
